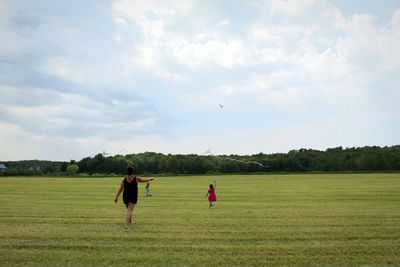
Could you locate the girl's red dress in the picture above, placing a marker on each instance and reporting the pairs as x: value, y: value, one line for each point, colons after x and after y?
x: 211, y: 195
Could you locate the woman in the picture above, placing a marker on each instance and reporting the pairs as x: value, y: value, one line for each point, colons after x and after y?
x: 130, y: 195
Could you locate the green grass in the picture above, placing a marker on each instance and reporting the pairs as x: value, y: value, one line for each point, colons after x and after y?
x: 290, y: 220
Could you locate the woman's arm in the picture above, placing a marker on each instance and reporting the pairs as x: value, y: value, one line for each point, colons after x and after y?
x: 142, y: 180
x: 121, y: 188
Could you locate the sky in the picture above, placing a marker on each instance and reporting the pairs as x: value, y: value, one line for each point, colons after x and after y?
x: 78, y: 78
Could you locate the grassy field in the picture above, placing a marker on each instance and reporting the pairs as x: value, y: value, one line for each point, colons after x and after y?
x: 292, y: 220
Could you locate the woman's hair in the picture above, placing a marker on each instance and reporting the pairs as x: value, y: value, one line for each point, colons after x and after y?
x: 211, y: 186
x: 130, y: 170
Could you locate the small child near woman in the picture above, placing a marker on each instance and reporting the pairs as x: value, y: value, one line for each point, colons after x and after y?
x: 148, y: 193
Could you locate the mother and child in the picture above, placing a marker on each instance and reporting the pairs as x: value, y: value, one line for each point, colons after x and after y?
x: 129, y: 187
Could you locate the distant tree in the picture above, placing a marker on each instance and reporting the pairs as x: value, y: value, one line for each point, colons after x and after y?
x: 369, y: 158
x: 72, y: 169
x: 64, y: 167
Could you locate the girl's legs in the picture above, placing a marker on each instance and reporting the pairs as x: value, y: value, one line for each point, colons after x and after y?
x: 148, y: 193
x: 129, y: 213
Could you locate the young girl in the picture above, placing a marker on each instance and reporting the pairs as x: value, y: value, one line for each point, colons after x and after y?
x: 130, y: 195
x: 212, y: 197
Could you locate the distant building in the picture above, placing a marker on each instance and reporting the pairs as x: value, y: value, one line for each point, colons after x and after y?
x: 3, y: 168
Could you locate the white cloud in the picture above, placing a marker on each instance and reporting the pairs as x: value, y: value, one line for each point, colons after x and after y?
x: 301, y: 11
x: 135, y: 8
x: 152, y: 15
x: 63, y: 67
x: 368, y: 47
x: 174, y: 77
x: 276, y: 90
x: 395, y: 21
x: 228, y: 53
x: 75, y: 116
x: 120, y: 21
x: 146, y: 55
x: 118, y: 38
x: 13, y: 145
x: 223, y: 23
x: 291, y: 8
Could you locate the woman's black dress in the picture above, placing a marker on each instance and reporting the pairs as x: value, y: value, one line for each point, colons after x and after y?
x: 130, y: 191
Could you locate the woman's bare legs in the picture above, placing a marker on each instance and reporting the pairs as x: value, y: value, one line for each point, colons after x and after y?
x: 129, y: 212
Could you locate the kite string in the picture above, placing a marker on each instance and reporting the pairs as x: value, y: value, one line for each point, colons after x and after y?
x: 208, y: 151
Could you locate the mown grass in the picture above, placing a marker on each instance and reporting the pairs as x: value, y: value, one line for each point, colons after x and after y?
x: 289, y: 220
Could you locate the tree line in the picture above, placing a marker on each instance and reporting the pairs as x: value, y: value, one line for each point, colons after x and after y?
x: 369, y: 158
